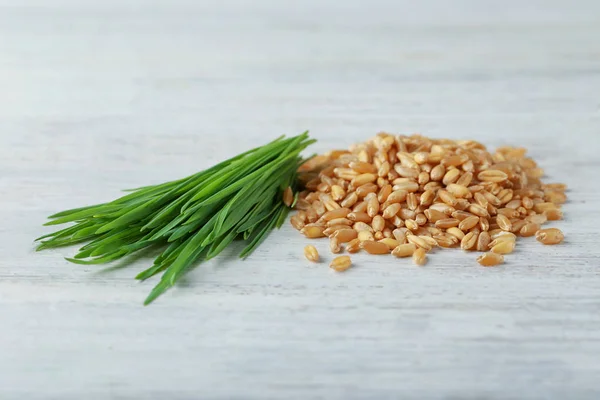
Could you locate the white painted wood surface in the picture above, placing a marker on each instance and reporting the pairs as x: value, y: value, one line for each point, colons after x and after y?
x: 104, y: 95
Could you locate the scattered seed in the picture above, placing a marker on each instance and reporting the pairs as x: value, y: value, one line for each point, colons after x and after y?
x: 311, y: 253
x: 490, y: 259
x: 550, y: 236
x: 341, y: 263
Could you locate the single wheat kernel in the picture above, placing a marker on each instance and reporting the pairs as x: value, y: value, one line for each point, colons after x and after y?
x: 434, y: 215
x: 549, y: 236
x: 421, y: 219
x: 336, y: 214
x: 339, y: 221
x: 333, y: 229
x: 461, y: 215
x: 542, y: 207
x: 362, y: 226
x: 341, y: 263
x: 311, y: 253
x: 490, y: 259
x: 411, y: 224
x: 484, y: 224
x: 390, y: 243
x: 447, y: 197
x: 503, y: 235
x: 420, y: 256
x: 427, y: 198
x: 409, y: 187
x: 430, y: 240
x: 469, y: 241
x: 529, y: 229
x: 451, y: 176
x: 504, y: 247
x: 483, y: 240
x: 492, y: 175
x: 400, y: 234
x: 478, y: 210
x: 481, y: 200
x: 345, y: 235
x: 353, y: 246
x: 384, y: 193
x: 553, y: 214
x: 334, y: 245
x: 458, y: 190
x: 445, y: 240
x: 378, y: 235
x: 297, y: 223
x: 376, y: 248
x: 359, y: 217
x: 372, y: 206
x: 437, y: 172
x: 288, y: 196
x: 503, y: 222
x: 468, y: 223
x: 517, y: 225
x: 313, y: 232
x: 391, y: 211
x: 350, y: 200
x: 365, y: 236
x: 337, y: 193
x: 447, y: 223
x: 459, y: 234
x: 366, y: 189
x: 404, y: 250
x: 378, y: 223
x: 363, y: 167
x: 419, y: 242
x: 537, y: 218
x: 363, y: 179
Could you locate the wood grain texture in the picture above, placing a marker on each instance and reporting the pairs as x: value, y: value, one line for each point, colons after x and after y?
x: 104, y: 95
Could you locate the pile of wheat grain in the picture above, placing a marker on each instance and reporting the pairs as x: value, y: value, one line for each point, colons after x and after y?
x: 407, y: 195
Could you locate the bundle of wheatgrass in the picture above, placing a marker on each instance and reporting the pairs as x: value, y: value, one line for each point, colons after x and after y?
x: 193, y: 218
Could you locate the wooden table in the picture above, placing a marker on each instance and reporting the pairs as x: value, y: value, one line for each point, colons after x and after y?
x: 100, y: 96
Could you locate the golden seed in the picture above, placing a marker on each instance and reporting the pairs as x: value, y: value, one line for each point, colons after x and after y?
x: 504, y: 247
x: 313, y: 232
x: 490, y: 259
x: 492, y: 175
x: 390, y: 243
x: 411, y: 224
x: 345, y: 235
x: 373, y: 247
x: 384, y: 193
x: 362, y: 167
x: 339, y: 221
x: 391, y: 211
x: 334, y: 245
x: 353, y: 246
x: 483, y: 241
x: 365, y: 236
x: 469, y: 241
x: 362, y: 226
x: 447, y: 197
x: 459, y: 234
x: 550, y: 236
x: 350, y: 200
x: 420, y: 256
x: 468, y: 223
x: 366, y: 189
x: 553, y: 214
x: 529, y: 229
x: 378, y: 223
x: 341, y: 263
x: 504, y: 223
x: 359, y: 217
x: 404, y: 250
x: 419, y: 242
x: 311, y: 253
